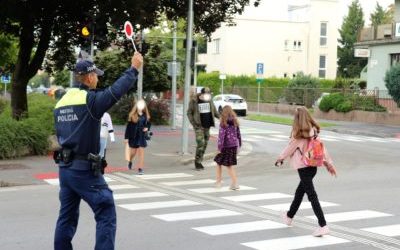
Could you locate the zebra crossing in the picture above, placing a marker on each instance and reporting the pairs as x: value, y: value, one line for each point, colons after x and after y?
x: 130, y: 197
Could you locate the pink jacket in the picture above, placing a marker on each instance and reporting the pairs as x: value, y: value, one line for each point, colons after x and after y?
x: 295, y: 156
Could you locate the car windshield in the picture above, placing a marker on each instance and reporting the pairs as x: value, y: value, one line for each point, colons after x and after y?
x: 233, y: 99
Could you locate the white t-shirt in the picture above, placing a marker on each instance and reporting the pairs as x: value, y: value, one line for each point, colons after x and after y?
x: 106, y: 126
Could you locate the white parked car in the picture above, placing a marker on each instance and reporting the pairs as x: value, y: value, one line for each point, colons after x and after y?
x: 237, y: 103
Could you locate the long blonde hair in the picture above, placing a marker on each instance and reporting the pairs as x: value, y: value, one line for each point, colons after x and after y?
x: 226, y: 114
x: 134, y: 113
x: 303, y: 123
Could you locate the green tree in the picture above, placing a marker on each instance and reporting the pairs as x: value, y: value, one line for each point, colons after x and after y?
x: 42, y: 79
x: 8, y: 52
x: 49, y: 28
x: 350, y: 66
x: 378, y: 16
x: 392, y: 80
x: 61, y: 78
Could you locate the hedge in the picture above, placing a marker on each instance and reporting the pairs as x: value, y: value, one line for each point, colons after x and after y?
x: 30, y: 135
x: 345, y: 103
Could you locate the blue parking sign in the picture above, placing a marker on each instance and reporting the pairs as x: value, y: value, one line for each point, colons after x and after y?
x: 6, y: 79
x: 260, y: 68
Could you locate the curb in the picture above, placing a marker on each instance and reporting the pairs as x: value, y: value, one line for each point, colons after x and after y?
x: 191, y: 160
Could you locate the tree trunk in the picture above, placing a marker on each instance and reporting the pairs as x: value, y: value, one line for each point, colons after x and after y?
x: 19, y: 101
x: 26, y: 67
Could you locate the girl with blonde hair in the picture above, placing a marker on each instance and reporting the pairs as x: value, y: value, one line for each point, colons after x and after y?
x: 305, y: 128
x: 229, y: 139
x: 136, y: 129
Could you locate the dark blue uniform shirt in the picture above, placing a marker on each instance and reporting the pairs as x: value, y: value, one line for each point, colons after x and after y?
x: 78, y: 114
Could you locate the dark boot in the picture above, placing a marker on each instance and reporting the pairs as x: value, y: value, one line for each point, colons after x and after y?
x: 198, y: 166
x: 130, y: 165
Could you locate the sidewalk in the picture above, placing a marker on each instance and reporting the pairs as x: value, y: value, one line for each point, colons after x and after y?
x: 354, y: 128
x: 161, y: 155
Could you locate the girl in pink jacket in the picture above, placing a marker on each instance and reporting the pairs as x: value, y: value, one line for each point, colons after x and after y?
x: 304, y: 129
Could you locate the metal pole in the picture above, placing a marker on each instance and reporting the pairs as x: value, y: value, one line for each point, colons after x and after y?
x: 195, y: 68
x: 258, y: 99
x: 5, y: 89
x: 189, y: 41
x: 222, y: 86
x: 140, y: 77
x: 173, y: 96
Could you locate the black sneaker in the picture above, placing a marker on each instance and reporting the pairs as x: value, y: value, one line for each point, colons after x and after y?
x: 130, y: 165
x: 140, y: 171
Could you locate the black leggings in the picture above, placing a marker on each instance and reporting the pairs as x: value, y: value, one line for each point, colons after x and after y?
x: 306, y: 186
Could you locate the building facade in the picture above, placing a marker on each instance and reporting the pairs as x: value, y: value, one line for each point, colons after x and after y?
x: 382, y: 47
x: 304, y: 39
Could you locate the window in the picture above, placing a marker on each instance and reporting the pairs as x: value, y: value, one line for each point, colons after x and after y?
x: 284, y: 75
x: 394, y: 59
x: 323, y: 34
x: 294, y: 45
x: 216, y: 46
x: 299, y: 45
x: 322, y: 66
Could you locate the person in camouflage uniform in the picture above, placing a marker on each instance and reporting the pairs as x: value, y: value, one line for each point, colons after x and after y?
x: 201, y: 113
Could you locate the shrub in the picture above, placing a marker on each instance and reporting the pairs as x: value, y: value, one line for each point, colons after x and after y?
x: 30, y: 135
x: 159, y: 110
x: 3, y: 104
x: 303, y: 89
x: 392, y: 80
x: 344, y: 107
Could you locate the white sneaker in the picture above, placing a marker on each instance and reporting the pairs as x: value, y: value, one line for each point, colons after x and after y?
x: 286, y: 220
x: 218, y: 184
x: 321, y: 231
x: 234, y: 187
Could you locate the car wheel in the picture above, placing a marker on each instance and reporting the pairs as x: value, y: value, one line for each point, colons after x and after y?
x: 244, y: 112
x: 220, y: 109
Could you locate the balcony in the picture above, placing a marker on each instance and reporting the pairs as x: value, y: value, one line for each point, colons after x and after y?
x: 385, y: 33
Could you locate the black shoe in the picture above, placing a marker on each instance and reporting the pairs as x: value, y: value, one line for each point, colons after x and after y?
x: 198, y: 166
x: 130, y: 165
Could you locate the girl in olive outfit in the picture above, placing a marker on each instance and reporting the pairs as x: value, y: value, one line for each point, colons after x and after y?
x: 138, y: 125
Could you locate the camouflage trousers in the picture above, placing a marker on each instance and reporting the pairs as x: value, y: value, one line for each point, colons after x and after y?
x: 202, y: 137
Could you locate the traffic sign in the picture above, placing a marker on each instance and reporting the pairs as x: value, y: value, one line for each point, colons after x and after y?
x: 6, y: 79
x: 222, y: 76
x: 260, y: 70
x: 128, y: 29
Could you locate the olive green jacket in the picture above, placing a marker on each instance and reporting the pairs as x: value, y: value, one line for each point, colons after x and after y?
x: 194, y: 114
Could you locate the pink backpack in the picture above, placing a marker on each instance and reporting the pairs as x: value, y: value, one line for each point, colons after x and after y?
x: 314, y: 153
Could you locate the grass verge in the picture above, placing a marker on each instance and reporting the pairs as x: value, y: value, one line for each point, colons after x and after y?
x: 280, y: 120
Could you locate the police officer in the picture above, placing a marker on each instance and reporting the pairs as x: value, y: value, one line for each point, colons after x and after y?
x: 77, y: 120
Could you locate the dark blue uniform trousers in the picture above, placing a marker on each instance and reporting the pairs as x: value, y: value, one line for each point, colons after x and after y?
x: 74, y: 186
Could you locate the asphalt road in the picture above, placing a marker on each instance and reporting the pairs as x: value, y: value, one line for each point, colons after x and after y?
x: 181, y: 209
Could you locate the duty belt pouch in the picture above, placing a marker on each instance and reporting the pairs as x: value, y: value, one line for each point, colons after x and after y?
x: 66, y: 155
x: 56, y: 156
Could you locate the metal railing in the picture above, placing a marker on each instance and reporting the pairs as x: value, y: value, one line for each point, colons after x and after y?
x: 361, y: 99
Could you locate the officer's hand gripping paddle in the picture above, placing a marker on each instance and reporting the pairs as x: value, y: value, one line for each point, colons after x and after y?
x: 128, y: 28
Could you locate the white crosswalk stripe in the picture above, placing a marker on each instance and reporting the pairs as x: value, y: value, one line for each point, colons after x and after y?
x: 294, y: 243
x: 191, y: 182
x: 218, y: 190
x: 160, y: 204
x: 122, y: 186
x: 391, y: 230
x: 138, y: 195
x: 195, y: 215
x: 56, y: 181
x: 304, y: 205
x: 240, y: 227
x: 164, y: 176
x: 257, y: 197
x: 353, y: 215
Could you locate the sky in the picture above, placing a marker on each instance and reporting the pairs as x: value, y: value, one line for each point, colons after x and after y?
x: 273, y: 9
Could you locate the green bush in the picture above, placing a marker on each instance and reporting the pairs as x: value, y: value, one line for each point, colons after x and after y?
x: 344, y: 107
x: 30, y: 135
x: 3, y: 104
x: 303, y: 89
x: 392, y: 80
x: 159, y: 110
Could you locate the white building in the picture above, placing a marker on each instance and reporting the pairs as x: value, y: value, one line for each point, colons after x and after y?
x: 303, y: 38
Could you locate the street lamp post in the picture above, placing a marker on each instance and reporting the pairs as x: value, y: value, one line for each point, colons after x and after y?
x: 189, y: 43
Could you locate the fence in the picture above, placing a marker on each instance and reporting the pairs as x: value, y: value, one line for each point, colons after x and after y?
x: 368, y: 100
